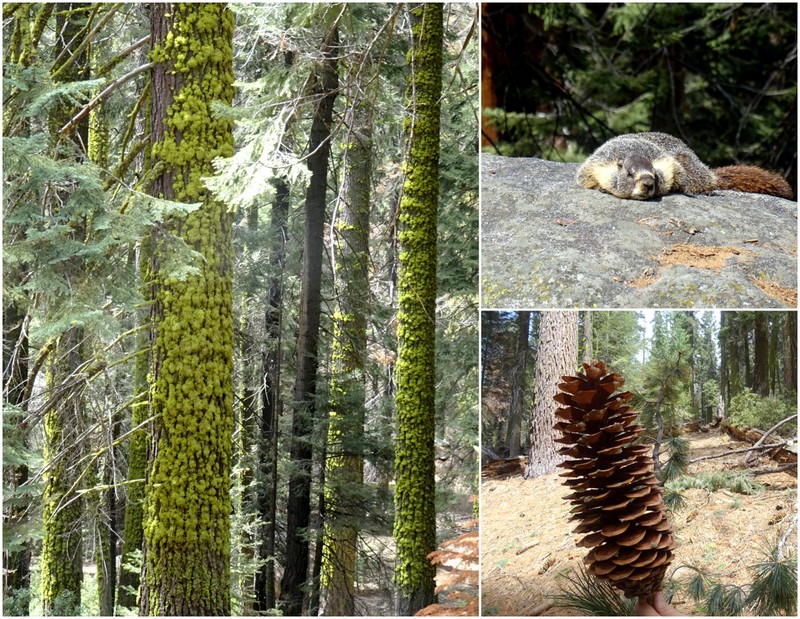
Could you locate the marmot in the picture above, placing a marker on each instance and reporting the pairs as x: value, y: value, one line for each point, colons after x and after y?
x: 644, y: 165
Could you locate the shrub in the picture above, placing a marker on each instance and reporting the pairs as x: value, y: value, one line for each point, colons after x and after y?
x: 755, y: 411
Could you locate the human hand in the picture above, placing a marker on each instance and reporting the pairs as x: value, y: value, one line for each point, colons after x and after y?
x: 655, y: 606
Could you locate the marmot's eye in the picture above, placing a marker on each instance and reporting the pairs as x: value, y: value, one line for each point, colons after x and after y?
x: 630, y: 174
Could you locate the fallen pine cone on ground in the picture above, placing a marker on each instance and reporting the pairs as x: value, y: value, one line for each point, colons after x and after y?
x: 616, y: 495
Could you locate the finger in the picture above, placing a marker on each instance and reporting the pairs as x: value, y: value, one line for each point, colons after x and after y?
x: 643, y: 609
x: 662, y: 608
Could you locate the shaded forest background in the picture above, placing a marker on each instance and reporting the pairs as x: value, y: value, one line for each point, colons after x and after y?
x: 79, y: 229
x: 558, y: 79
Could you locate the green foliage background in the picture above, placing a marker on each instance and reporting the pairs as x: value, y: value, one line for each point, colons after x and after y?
x: 720, y: 76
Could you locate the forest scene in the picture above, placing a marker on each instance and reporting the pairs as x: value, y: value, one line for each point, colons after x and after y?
x: 240, y: 313
x: 559, y: 79
x: 714, y: 393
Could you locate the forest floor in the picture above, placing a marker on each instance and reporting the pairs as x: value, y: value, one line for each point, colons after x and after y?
x: 527, y: 546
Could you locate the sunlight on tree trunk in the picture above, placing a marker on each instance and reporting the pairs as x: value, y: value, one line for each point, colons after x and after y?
x: 344, y: 512
x: 556, y: 356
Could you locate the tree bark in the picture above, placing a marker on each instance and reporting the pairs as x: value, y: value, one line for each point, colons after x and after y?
x: 344, y: 511
x: 17, y: 563
x: 557, y: 355
x: 588, y: 340
x: 186, y: 563
x: 303, y: 412
x: 270, y: 402
x: 415, y: 508
x: 789, y: 352
x: 62, y: 549
x: 518, y: 385
x: 761, y: 354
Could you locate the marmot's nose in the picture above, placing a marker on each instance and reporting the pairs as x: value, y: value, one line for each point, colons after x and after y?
x: 648, y: 182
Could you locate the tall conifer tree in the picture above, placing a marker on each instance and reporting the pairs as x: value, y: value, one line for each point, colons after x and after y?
x: 415, y: 508
x: 556, y: 356
x: 187, y: 503
x: 303, y: 413
x: 345, y: 464
x: 62, y: 549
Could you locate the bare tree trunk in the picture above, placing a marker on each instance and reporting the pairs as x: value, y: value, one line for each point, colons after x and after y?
x: 790, y: 351
x: 303, y: 414
x: 557, y: 355
x: 588, y: 341
x: 761, y: 354
x: 518, y: 385
x: 268, y: 445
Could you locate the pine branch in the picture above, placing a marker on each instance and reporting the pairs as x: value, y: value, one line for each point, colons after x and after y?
x: 768, y: 432
x: 784, y: 538
x: 103, y: 95
x: 738, y: 451
x: 122, y: 55
x: 56, y: 69
x: 38, y: 28
x: 134, y: 113
x: 37, y: 366
x: 123, y: 166
x: 86, y: 40
x: 768, y: 471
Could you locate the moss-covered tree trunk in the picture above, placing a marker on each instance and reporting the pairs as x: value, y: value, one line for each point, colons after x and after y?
x: 105, y: 547
x: 303, y: 413
x: 132, y: 532
x: 62, y: 512
x: 344, y: 475
x: 187, y: 504
x: 415, y: 509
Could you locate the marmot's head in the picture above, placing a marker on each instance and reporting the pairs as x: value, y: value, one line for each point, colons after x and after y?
x: 636, y: 178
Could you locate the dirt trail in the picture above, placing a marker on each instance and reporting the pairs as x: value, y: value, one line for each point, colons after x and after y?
x: 527, y: 545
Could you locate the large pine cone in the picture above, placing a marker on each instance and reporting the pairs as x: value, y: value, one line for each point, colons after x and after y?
x: 616, y: 495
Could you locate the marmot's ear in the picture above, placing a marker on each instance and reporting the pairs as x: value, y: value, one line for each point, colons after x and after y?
x: 620, y: 163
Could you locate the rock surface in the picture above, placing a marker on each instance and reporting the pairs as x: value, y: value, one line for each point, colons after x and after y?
x: 547, y: 242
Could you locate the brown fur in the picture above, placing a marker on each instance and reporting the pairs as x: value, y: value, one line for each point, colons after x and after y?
x: 644, y: 165
x: 752, y: 179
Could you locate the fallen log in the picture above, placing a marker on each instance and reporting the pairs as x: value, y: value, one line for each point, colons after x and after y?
x: 781, y: 452
x: 505, y: 467
x: 737, y: 451
x: 749, y: 456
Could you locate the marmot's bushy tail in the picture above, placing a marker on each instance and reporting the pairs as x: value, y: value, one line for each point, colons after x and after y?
x: 753, y: 180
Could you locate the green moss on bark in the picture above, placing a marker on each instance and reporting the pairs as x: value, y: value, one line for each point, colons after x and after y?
x: 63, y: 508
x: 344, y: 509
x: 415, y: 514
x: 62, y: 512
x: 187, y: 502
